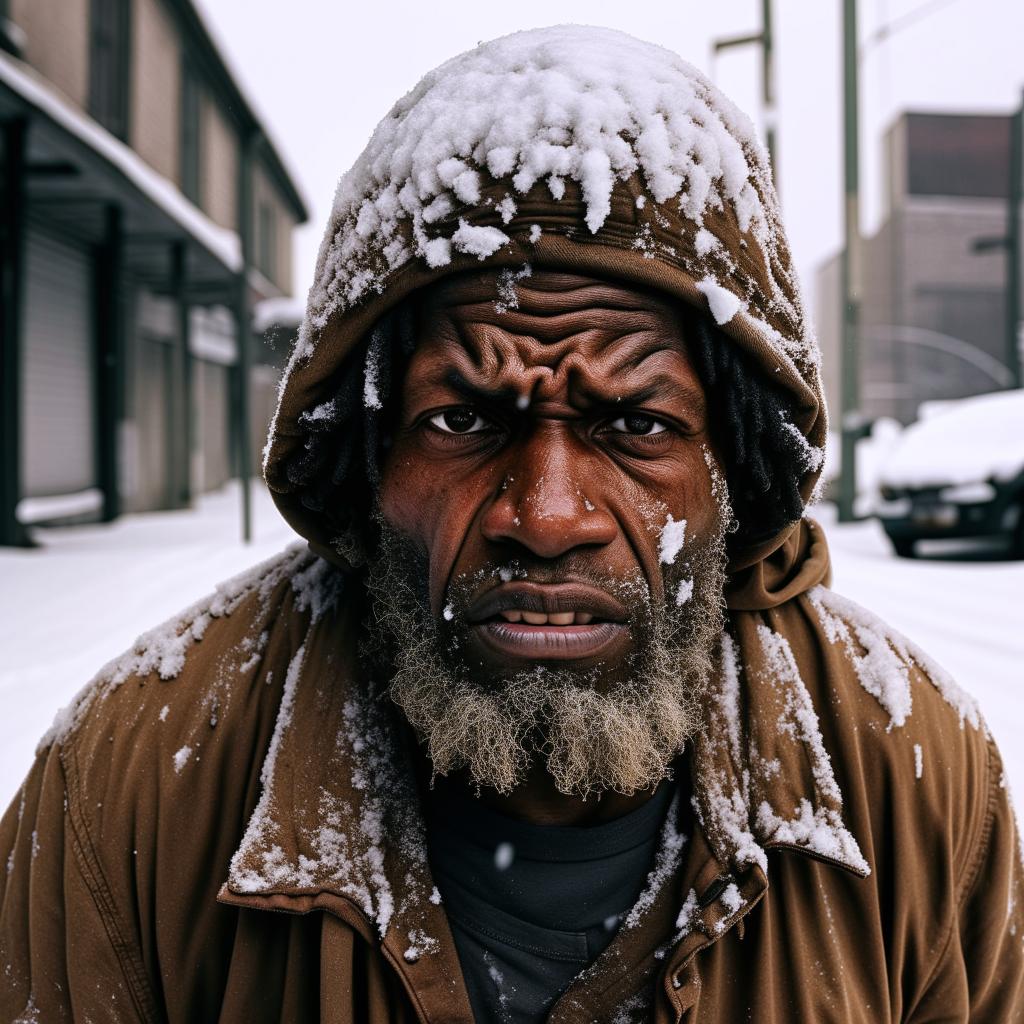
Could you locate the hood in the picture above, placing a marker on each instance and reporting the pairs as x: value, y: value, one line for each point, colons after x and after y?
x: 565, y: 148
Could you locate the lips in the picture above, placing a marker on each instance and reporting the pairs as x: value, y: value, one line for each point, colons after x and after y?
x: 547, y: 603
x: 552, y: 621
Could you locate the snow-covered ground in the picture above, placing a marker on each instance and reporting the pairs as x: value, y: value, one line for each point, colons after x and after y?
x: 82, y: 598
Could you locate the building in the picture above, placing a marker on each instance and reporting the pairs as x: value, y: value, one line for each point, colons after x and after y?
x: 144, y: 213
x: 933, y: 313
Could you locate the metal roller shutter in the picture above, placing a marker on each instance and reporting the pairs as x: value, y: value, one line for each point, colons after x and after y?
x: 58, y: 383
x: 212, y: 384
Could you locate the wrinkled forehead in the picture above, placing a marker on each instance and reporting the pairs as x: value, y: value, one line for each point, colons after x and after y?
x: 497, y: 324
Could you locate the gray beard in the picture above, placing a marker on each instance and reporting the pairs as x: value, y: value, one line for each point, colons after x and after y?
x: 622, y: 737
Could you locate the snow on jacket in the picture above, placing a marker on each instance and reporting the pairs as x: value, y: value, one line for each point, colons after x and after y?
x: 225, y: 826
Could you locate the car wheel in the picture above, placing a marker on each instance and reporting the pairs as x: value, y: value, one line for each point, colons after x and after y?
x: 903, y: 546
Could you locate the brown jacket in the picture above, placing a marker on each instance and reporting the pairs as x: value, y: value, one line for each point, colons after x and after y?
x: 224, y: 827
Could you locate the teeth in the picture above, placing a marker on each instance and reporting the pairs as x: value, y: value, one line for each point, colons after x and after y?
x: 554, y: 619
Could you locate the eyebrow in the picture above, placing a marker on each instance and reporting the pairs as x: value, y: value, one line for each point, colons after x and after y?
x: 662, y: 386
x: 484, y: 396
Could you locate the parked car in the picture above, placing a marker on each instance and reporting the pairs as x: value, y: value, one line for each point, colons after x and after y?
x: 958, y: 473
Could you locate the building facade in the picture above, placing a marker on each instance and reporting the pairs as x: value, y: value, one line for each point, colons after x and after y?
x: 933, y: 304
x: 144, y: 213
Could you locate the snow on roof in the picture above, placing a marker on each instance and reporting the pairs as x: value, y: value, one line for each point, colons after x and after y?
x: 221, y: 242
x: 979, y: 438
x: 281, y: 311
x: 590, y: 105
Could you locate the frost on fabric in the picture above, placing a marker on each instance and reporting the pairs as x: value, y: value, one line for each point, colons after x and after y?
x: 480, y: 242
x: 819, y: 829
x: 420, y: 944
x: 670, y: 543
x: 728, y: 805
x: 918, y: 761
x: 163, y: 650
x: 335, y: 855
x: 666, y: 863
x: 812, y: 458
x: 587, y: 105
x: 731, y: 898
x: 800, y: 718
x: 883, y: 659
x: 181, y: 758
x: 508, y: 294
x: 722, y: 303
x: 371, y: 373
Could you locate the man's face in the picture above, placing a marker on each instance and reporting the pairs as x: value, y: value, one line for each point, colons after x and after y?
x: 552, y: 474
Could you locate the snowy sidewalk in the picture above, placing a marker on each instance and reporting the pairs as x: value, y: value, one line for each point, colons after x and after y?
x: 82, y: 598
x: 72, y: 605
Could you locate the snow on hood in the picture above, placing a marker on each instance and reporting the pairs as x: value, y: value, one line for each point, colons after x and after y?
x: 568, y: 148
x: 977, y: 439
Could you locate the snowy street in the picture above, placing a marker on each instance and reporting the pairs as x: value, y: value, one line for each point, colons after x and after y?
x: 83, y: 597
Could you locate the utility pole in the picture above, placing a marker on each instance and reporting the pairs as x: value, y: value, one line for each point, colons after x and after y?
x: 851, y: 424
x: 1013, y: 249
x: 764, y: 39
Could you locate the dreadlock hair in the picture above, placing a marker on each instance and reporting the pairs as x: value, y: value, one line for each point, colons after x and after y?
x: 764, y: 455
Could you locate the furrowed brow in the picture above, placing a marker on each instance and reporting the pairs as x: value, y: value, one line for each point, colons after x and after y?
x: 662, y: 388
x: 481, y: 396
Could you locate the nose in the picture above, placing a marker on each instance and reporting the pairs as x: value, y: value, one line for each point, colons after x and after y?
x: 542, y: 506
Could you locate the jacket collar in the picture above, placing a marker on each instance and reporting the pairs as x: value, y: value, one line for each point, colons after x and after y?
x: 338, y: 822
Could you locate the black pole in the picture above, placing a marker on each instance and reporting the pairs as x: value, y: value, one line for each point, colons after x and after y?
x: 850, y: 421
x: 109, y: 297
x: 12, y: 300
x: 1013, y: 250
x: 243, y: 322
x: 183, y: 436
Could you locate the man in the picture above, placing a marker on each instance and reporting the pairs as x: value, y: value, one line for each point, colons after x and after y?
x: 556, y: 718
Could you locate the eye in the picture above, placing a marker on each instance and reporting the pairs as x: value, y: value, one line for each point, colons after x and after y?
x: 460, y: 420
x: 638, y: 424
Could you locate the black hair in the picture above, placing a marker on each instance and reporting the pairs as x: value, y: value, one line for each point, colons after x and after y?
x: 764, y: 456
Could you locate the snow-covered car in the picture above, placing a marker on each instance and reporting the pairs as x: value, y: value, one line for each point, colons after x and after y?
x: 958, y: 473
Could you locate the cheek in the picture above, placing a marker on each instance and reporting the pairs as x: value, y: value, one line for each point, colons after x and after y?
x: 433, y: 508
x: 682, y: 488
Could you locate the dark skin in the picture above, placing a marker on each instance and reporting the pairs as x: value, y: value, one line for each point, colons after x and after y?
x: 559, y: 435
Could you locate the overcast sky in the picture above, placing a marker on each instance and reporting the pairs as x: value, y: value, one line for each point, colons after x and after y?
x: 324, y: 72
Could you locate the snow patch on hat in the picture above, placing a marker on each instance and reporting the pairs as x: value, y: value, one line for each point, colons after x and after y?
x: 590, y: 105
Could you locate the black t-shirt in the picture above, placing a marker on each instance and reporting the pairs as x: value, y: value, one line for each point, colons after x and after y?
x: 531, y: 906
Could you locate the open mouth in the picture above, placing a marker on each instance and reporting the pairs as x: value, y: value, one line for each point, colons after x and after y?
x: 554, y: 621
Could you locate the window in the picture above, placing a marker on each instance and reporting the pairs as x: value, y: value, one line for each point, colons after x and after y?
x: 109, y: 55
x: 266, y: 242
x: 190, y: 177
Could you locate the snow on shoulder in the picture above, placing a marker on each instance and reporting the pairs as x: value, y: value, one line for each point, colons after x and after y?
x: 163, y: 650
x: 883, y: 659
x: 571, y: 103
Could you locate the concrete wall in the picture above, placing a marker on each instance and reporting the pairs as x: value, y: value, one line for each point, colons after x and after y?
x: 57, y: 42
x: 156, y: 88
x: 828, y: 323
x: 218, y: 164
